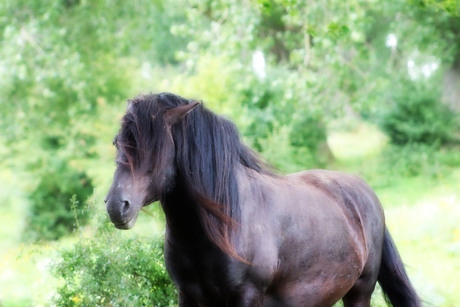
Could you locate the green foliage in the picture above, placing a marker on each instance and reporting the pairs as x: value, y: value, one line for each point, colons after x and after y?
x: 110, y: 269
x: 308, y: 130
x: 58, y: 198
x: 417, y: 159
x: 410, y: 160
x: 450, y: 6
x: 418, y: 116
x: 266, y: 110
x: 68, y: 65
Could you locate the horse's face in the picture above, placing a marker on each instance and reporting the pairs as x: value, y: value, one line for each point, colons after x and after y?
x: 135, y: 186
x: 145, y: 162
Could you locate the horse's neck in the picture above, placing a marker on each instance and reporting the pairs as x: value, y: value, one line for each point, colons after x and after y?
x: 181, y: 210
x: 181, y: 214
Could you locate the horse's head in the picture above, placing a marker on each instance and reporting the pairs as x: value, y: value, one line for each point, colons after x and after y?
x: 145, y: 156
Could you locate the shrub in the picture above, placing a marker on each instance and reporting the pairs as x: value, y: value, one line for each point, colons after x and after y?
x: 111, y: 269
x: 58, y: 197
x: 282, y: 110
x: 418, y: 159
x: 308, y: 137
x: 418, y: 116
x: 410, y: 160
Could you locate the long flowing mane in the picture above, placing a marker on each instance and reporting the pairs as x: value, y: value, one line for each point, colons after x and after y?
x: 193, y: 161
x: 208, y: 152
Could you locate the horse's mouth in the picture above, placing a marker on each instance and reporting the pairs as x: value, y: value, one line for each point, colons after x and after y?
x: 122, y: 226
x: 132, y: 220
x: 128, y: 224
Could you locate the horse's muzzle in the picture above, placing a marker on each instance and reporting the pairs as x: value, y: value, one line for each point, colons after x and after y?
x: 122, y: 214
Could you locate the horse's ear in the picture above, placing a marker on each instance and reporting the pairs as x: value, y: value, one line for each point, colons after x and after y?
x: 129, y: 102
x: 176, y: 114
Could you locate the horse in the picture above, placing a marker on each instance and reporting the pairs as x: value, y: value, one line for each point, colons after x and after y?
x: 239, y: 234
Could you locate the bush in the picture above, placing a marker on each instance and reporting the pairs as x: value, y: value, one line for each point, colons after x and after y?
x: 411, y: 160
x: 59, y: 196
x: 418, y: 116
x: 418, y: 159
x: 110, y: 269
x: 282, y: 110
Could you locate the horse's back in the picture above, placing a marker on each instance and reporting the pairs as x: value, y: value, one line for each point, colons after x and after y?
x: 350, y: 191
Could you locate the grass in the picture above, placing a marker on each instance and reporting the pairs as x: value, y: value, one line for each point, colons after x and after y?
x: 22, y: 270
x: 428, y: 234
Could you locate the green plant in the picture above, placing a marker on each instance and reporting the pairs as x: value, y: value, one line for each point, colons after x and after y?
x: 410, y: 160
x: 110, y: 269
x: 418, y: 159
x: 418, y: 116
x: 58, y: 198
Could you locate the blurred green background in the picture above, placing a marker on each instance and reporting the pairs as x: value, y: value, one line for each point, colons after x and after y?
x: 364, y: 86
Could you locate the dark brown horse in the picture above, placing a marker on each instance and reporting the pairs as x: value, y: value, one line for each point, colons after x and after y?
x: 239, y: 235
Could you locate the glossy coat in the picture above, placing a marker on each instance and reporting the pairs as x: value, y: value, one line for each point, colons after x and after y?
x: 236, y: 233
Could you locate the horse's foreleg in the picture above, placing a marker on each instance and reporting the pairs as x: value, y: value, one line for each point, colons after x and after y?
x: 248, y: 296
x: 185, y: 301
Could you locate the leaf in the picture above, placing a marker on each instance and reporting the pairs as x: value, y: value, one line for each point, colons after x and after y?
x: 310, y: 30
x: 336, y: 30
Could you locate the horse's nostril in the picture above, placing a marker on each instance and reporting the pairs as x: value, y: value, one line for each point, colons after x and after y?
x: 125, y: 207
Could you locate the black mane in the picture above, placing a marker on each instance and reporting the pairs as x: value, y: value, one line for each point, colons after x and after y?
x: 208, y: 152
x: 193, y: 161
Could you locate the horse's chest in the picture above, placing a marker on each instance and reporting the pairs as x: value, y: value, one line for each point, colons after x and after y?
x: 199, y: 273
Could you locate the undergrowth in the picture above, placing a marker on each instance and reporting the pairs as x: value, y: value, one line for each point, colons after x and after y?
x: 111, y: 269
